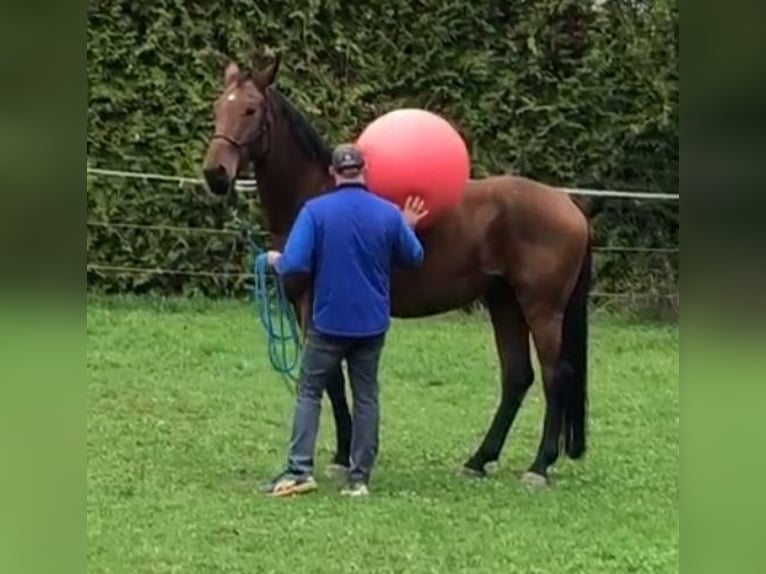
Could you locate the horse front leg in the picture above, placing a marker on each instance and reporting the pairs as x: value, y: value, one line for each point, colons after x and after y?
x: 300, y: 291
x: 336, y: 390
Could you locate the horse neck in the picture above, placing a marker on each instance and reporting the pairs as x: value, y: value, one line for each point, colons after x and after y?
x: 287, y: 178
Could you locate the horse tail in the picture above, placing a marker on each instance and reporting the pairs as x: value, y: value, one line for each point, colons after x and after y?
x: 590, y: 206
x: 573, y: 362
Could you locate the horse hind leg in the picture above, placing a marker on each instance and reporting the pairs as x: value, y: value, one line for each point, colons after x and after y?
x: 512, y: 340
x: 546, y: 333
x: 561, y: 342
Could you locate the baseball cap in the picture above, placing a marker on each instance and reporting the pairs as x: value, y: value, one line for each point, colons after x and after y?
x: 347, y: 156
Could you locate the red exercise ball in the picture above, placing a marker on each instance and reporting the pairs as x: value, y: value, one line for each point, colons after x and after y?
x: 416, y: 152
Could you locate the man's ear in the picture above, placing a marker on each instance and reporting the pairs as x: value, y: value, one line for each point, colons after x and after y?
x: 266, y: 76
x: 231, y: 72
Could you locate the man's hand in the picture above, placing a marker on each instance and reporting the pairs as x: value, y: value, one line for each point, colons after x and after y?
x: 414, y: 210
x: 272, y: 257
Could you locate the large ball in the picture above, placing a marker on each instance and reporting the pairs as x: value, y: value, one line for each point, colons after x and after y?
x: 415, y: 152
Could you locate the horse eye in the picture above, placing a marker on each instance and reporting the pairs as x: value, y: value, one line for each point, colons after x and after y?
x: 249, y: 111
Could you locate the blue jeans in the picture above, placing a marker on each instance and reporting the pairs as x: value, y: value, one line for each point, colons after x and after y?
x: 322, y: 357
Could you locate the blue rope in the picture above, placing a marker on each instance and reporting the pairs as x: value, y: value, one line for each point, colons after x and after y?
x: 282, y: 334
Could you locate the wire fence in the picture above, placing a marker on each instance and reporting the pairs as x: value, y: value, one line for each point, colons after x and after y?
x: 160, y: 271
x: 247, y: 276
x: 249, y: 186
x: 239, y: 233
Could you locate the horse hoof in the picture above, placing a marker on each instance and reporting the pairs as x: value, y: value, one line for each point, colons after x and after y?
x: 534, y: 480
x: 337, y: 471
x: 469, y: 472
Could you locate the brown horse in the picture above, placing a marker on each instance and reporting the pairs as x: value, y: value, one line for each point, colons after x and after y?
x: 521, y: 246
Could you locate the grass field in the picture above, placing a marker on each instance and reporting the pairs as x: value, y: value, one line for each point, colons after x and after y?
x: 186, y: 420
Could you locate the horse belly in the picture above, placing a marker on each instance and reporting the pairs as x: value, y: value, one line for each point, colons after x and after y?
x: 419, y: 294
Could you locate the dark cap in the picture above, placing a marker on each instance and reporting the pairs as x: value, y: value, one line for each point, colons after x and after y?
x: 347, y: 156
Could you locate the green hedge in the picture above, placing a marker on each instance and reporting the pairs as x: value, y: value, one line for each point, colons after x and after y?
x: 556, y: 90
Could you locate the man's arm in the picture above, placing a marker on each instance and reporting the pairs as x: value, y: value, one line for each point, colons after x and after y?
x: 408, y: 251
x: 298, y: 256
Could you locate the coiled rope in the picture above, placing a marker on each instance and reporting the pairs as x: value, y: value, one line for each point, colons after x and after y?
x: 278, y: 320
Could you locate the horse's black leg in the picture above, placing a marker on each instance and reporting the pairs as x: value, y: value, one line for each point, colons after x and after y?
x: 336, y: 391
x: 301, y: 294
x: 548, y: 451
x: 546, y: 332
x: 512, y: 340
x: 561, y: 339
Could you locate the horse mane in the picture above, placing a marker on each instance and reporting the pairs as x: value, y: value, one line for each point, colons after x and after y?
x: 308, y: 138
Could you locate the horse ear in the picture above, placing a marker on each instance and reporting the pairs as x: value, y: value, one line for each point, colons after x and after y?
x: 232, y: 70
x: 266, y: 76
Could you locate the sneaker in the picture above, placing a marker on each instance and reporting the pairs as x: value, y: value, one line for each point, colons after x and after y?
x: 355, y: 489
x: 288, y: 484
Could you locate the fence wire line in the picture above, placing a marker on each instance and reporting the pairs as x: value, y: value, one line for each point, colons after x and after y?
x: 241, y: 185
x: 237, y: 275
x: 250, y: 185
x: 234, y: 233
x: 168, y: 228
x: 161, y: 271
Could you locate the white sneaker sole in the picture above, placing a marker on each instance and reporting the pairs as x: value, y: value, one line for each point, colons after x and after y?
x: 357, y: 492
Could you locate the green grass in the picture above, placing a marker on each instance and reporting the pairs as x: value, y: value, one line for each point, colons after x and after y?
x: 186, y: 420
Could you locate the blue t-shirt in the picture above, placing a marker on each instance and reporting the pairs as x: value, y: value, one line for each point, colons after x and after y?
x: 349, y: 239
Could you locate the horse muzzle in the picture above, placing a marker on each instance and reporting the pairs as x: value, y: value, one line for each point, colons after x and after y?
x: 218, y: 180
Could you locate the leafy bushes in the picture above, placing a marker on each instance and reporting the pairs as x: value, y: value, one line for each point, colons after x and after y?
x: 580, y: 95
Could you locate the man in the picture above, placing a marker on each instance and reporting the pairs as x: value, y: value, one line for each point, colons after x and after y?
x: 347, y: 240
